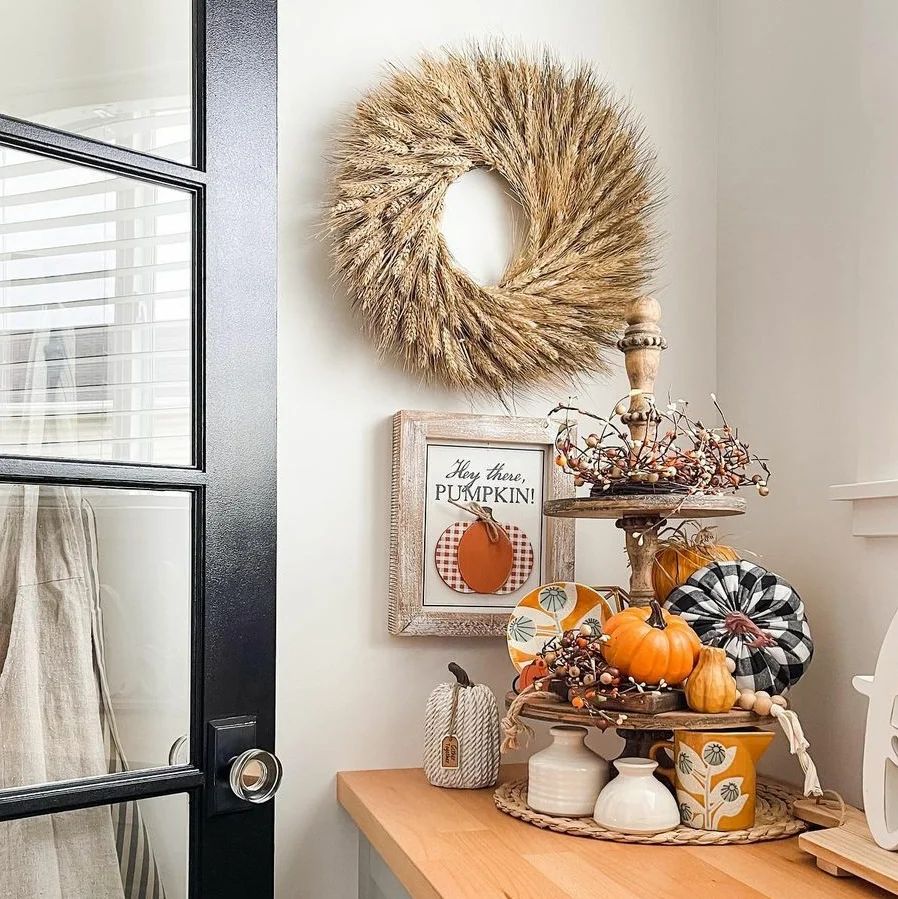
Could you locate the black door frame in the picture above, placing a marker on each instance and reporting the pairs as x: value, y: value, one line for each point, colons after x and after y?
x: 233, y: 479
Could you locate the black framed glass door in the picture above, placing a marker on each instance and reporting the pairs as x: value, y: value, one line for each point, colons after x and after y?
x: 137, y: 448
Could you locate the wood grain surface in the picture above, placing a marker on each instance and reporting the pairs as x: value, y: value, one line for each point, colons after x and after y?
x: 660, y: 505
x: 564, y: 713
x: 455, y: 844
x: 850, y: 850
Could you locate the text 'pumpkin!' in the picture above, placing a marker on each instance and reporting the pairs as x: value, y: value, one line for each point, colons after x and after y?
x: 651, y: 645
x: 485, y: 557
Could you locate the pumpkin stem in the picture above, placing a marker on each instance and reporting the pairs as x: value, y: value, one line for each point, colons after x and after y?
x: 689, y: 534
x: 656, y: 619
x: 460, y: 675
x: 739, y: 624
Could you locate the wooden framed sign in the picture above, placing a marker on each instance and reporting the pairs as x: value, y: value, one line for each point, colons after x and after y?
x: 468, y: 537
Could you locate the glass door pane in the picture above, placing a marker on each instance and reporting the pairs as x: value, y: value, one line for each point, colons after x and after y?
x: 95, y: 314
x: 95, y: 600
x: 132, y: 850
x: 114, y: 71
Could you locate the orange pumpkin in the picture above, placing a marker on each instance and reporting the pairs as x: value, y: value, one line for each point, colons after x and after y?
x: 531, y: 673
x: 650, y: 644
x: 680, y: 556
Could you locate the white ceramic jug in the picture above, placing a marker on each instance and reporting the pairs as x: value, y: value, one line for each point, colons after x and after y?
x: 635, y: 801
x: 566, y: 778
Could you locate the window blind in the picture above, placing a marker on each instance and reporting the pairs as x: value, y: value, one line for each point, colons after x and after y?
x: 96, y: 301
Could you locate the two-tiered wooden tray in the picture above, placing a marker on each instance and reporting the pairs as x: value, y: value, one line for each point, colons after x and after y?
x: 641, y: 516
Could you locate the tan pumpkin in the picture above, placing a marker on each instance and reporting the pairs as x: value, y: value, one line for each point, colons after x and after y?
x: 711, y: 687
x: 650, y: 644
x: 680, y: 555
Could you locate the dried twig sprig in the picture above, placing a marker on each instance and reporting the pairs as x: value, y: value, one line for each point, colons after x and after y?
x: 574, y: 157
x: 576, y: 670
x: 678, y: 454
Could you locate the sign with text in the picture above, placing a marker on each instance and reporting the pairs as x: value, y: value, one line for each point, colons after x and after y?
x: 507, y: 481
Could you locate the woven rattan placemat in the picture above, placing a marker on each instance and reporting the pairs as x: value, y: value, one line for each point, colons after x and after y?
x: 773, y: 820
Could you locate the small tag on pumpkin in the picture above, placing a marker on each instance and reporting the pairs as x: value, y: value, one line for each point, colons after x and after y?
x: 449, y: 752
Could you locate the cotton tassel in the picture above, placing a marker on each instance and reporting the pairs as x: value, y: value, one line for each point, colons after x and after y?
x: 798, y: 746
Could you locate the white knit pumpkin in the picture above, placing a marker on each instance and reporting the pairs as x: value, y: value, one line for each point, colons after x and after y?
x: 461, y: 734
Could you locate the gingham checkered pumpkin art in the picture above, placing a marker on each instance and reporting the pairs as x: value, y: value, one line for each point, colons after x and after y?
x: 447, y: 561
x: 755, y: 616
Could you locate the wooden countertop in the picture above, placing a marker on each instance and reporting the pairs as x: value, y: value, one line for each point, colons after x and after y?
x: 455, y: 844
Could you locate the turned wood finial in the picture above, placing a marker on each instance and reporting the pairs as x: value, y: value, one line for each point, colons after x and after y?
x: 641, y: 345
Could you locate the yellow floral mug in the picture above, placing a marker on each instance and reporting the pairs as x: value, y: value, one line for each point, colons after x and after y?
x: 714, y: 776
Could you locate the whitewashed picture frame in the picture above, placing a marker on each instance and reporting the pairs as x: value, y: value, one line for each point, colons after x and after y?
x: 426, y: 447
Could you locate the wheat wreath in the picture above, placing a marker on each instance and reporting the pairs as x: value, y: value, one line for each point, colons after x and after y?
x: 575, y: 159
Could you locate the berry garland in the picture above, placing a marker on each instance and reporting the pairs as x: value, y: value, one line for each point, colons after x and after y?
x: 572, y: 666
x: 686, y: 457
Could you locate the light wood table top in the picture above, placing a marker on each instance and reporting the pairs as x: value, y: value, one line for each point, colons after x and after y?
x: 455, y: 844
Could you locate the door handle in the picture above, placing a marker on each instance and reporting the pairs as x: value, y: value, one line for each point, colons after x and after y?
x: 255, y: 775
x: 242, y: 775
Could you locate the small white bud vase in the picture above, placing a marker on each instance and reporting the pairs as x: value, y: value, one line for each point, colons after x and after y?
x: 635, y: 801
x: 566, y: 778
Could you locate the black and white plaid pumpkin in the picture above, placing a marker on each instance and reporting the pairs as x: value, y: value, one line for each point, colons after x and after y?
x: 755, y: 616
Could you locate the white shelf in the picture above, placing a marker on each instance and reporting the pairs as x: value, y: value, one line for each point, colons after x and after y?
x: 864, y: 490
x: 875, y: 506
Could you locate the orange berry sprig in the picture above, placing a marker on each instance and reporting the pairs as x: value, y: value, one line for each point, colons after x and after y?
x: 686, y: 457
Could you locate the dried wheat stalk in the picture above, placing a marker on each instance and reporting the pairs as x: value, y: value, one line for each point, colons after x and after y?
x: 576, y: 161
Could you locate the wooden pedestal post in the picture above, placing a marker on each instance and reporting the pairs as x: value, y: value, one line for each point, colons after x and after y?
x: 642, y: 544
x: 641, y: 345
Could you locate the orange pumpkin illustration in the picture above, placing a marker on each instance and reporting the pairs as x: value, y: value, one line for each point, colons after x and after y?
x: 485, y: 557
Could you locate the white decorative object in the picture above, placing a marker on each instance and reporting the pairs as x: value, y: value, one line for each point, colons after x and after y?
x: 881, y: 742
x: 635, y: 802
x: 461, y: 734
x: 566, y: 778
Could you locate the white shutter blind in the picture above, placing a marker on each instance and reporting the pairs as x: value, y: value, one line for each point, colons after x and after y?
x: 96, y: 305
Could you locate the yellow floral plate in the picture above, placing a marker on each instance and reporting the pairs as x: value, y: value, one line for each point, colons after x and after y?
x: 550, y: 610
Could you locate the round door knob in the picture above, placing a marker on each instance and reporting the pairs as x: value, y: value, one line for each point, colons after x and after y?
x: 255, y: 775
x: 179, y: 753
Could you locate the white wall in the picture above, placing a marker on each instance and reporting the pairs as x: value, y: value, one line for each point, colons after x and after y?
x: 807, y: 317
x: 334, y: 501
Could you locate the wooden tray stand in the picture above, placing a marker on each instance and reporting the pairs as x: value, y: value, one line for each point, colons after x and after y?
x: 640, y: 516
x: 650, y: 717
x: 643, y: 727
x: 849, y: 850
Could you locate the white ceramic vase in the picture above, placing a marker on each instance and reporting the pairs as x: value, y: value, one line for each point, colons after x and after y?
x: 635, y: 801
x: 566, y: 778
